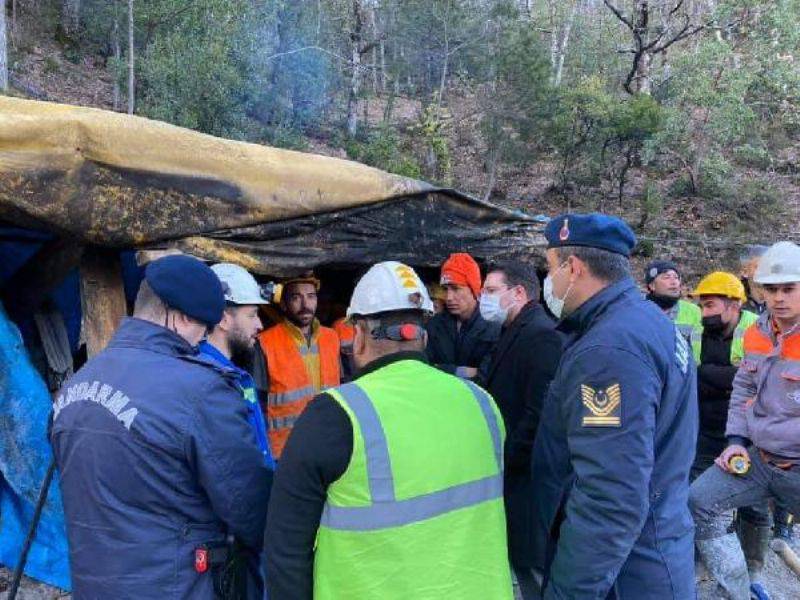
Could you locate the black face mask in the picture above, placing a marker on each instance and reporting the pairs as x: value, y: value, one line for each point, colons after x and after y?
x: 664, y: 302
x: 713, y: 324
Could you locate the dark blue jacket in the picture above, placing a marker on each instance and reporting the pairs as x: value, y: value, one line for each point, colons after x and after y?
x: 613, y: 453
x: 250, y: 395
x: 156, y: 458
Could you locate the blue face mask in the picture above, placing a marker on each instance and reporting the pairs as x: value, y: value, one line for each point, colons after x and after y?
x: 490, y: 308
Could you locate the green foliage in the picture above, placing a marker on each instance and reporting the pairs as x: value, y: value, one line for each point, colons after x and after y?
x: 383, y: 149
x: 714, y: 180
x: 756, y: 207
x: 757, y: 157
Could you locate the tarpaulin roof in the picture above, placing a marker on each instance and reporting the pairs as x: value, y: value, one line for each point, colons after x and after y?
x: 122, y: 181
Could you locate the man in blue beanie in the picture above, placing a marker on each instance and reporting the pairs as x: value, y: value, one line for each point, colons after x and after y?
x: 616, y: 437
x: 160, y: 472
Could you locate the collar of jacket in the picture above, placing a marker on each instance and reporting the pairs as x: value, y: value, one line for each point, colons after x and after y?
x: 387, y: 360
x: 466, y: 325
x: 298, y: 336
x: 138, y: 333
x: 215, y: 354
x: 582, y: 319
x: 528, y: 308
x: 767, y: 326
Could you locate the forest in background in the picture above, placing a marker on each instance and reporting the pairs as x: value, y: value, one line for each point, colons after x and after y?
x: 680, y: 115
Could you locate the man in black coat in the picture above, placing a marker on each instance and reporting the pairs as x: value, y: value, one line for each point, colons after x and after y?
x: 459, y: 339
x: 520, y: 370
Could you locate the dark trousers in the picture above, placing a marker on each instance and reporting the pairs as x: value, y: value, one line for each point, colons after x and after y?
x: 710, y: 447
x: 715, y: 493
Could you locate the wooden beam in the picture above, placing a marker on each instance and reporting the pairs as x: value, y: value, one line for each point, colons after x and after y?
x: 102, y: 297
x: 29, y: 287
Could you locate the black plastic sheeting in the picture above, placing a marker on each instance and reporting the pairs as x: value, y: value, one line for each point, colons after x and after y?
x: 421, y: 230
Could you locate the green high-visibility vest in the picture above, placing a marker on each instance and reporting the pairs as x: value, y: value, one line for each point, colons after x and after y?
x: 737, y: 345
x: 688, y: 318
x: 419, y: 511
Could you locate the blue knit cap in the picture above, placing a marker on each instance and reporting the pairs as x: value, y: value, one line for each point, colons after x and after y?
x: 188, y: 285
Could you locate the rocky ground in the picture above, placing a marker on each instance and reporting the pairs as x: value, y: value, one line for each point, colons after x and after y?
x: 779, y: 580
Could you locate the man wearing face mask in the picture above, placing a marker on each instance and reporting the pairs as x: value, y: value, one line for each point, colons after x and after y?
x: 390, y: 486
x: 522, y: 365
x: 664, y: 289
x: 718, y: 350
x: 615, y: 444
x: 761, y: 461
x: 159, y: 466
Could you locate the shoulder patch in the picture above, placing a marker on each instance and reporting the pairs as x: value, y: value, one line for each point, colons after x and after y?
x: 681, y: 351
x: 602, y: 407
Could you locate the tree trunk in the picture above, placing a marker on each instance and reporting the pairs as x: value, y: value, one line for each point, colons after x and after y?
x: 563, y: 44
x: 553, y: 35
x: 642, y: 83
x: 355, y: 76
x: 131, y: 61
x: 3, y: 48
x: 70, y: 18
x: 117, y: 61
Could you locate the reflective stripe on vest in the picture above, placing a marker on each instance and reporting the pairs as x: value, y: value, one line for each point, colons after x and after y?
x: 386, y: 510
x: 293, y: 396
x: 291, y: 384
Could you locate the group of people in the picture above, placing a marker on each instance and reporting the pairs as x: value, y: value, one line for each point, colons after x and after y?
x: 579, y: 438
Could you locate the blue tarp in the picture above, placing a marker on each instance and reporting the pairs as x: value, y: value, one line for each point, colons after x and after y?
x: 25, y: 406
x: 25, y: 455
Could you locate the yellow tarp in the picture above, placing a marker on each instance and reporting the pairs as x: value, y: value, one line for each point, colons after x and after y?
x: 120, y: 180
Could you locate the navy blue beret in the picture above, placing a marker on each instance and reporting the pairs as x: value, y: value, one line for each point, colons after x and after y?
x: 188, y: 285
x: 657, y: 267
x: 594, y: 230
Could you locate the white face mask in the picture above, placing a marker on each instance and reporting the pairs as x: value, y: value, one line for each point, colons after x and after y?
x: 490, y: 308
x: 555, y: 304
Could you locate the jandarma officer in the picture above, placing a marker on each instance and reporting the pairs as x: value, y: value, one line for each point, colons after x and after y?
x: 156, y: 455
x: 616, y: 440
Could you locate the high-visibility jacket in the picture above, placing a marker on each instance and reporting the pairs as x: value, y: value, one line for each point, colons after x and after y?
x: 291, y: 385
x: 345, y: 331
x: 765, y: 402
x: 737, y: 345
x: 688, y: 318
x: 418, y: 513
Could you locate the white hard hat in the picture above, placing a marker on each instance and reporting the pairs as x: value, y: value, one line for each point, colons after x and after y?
x: 779, y: 264
x: 240, y: 287
x: 389, y: 286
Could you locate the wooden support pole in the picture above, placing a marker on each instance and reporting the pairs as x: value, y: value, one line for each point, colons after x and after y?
x: 102, y: 297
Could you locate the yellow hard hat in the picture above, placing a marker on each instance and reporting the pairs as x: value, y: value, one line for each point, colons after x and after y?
x: 721, y: 283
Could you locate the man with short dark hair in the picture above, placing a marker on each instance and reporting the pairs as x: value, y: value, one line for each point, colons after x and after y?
x: 231, y: 343
x: 298, y: 358
x: 390, y: 487
x: 611, y: 458
x: 158, y: 464
x: 460, y: 339
x: 520, y: 370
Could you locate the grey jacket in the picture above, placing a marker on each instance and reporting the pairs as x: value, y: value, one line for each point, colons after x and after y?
x: 765, y: 402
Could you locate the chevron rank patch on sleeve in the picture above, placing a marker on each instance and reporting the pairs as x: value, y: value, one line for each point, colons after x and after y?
x: 601, y: 406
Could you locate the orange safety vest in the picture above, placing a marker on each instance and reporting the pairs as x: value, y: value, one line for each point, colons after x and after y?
x: 290, y: 386
x: 345, y: 331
